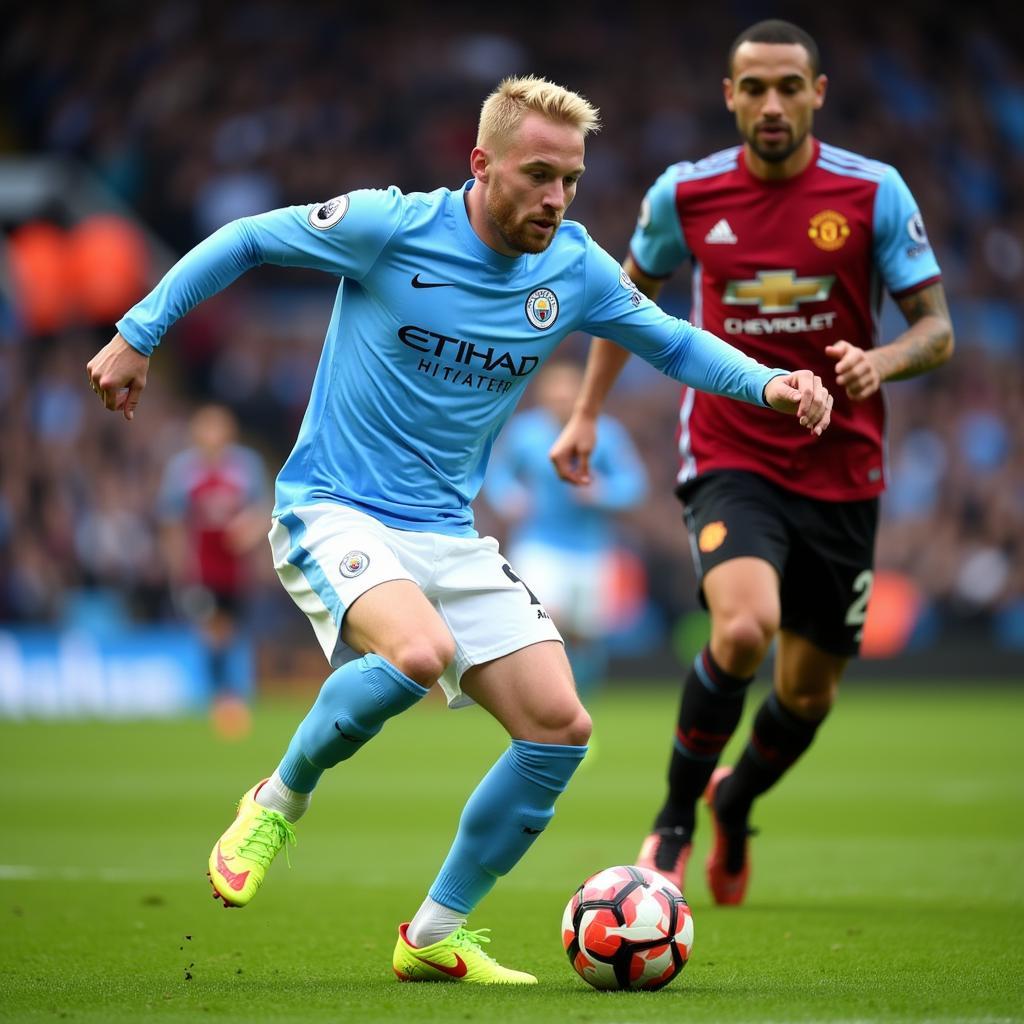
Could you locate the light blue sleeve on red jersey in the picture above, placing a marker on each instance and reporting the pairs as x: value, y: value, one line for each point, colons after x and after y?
x: 344, y: 237
x: 257, y: 489
x: 902, y: 251
x: 657, y: 245
x: 616, y: 309
x: 172, y: 499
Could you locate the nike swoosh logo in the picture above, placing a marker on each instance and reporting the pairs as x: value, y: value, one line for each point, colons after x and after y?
x: 236, y: 881
x: 417, y: 283
x: 457, y: 970
x: 345, y: 735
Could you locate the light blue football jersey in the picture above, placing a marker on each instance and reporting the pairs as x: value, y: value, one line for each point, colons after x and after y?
x: 559, y: 514
x: 432, y: 340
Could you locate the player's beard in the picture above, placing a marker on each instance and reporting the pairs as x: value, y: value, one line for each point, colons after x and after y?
x: 511, y: 225
x: 775, y: 154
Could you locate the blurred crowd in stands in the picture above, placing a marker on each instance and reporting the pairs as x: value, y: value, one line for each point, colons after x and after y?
x: 193, y: 114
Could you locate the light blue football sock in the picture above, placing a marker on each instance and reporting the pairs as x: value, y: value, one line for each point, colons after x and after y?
x: 353, y: 705
x: 505, y: 813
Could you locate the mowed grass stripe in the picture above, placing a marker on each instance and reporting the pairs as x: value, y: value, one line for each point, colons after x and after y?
x: 887, y: 880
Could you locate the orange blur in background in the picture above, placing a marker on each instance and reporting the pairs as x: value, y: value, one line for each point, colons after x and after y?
x: 87, y: 275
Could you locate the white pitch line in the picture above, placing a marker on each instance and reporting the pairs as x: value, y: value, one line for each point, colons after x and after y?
x: 125, y: 875
x: 32, y: 873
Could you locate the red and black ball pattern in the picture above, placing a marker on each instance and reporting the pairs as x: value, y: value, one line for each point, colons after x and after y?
x: 627, y: 928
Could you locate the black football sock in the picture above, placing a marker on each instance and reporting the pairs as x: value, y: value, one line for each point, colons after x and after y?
x: 777, y: 740
x: 710, y: 710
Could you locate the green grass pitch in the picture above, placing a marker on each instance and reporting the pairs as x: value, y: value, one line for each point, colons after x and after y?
x: 888, y: 877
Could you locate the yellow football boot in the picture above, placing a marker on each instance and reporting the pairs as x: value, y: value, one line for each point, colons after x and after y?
x: 456, y: 958
x: 240, y: 858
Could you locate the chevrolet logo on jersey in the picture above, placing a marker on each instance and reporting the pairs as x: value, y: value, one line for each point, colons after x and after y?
x: 778, y: 291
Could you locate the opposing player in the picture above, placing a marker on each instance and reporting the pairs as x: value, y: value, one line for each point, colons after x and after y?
x: 791, y: 241
x: 448, y: 302
x: 213, y: 505
x: 563, y: 538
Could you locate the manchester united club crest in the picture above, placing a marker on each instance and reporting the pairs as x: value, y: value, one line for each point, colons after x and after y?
x: 354, y: 563
x: 542, y: 308
x: 712, y: 536
x: 829, y: 230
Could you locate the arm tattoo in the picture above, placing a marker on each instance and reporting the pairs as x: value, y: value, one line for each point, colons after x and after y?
x: 928, y: 340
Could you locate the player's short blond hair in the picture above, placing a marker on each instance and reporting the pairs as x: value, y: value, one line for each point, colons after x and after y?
x: 503, y: 111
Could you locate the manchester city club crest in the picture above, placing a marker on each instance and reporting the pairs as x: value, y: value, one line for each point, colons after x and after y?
x: 354, y: 563
x: 542, y: 308
x: 329, y: 213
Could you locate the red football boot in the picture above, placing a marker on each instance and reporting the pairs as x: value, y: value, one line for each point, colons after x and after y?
x: 666, y: 850
x: 727, y: 888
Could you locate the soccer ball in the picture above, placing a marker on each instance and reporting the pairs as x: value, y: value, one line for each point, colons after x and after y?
x: 627, y: 928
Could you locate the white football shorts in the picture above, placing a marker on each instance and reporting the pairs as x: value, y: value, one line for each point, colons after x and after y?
x: 327, y: 555
x: 575, y: 584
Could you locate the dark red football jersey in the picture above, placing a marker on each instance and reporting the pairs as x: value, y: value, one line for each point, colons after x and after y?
x: 206, y: 497
x: 781, y: 269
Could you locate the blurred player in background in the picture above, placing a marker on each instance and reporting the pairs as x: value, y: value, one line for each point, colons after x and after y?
x: 448, y: 302
x: 792, y: 241
x: 563, y: 538
x: 214, y: 503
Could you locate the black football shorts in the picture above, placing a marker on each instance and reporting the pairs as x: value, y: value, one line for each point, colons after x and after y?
x: 823, y: 551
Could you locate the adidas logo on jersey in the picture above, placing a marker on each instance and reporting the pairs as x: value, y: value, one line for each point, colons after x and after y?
x: 721, y: 234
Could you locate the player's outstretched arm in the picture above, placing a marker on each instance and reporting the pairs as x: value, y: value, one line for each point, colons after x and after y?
x: 690, y: 354
x: 343, y: 237
x: 117, y: 373
x: 926, y: 344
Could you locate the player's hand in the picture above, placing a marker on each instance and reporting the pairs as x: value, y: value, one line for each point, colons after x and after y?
x: 801, y: 394
x: 572, y: 450
x: 855, y: 370
x: 117, y: 373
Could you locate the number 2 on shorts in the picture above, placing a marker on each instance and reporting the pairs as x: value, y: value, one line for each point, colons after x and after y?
x: 507, y: 570
x: 857, y: 613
